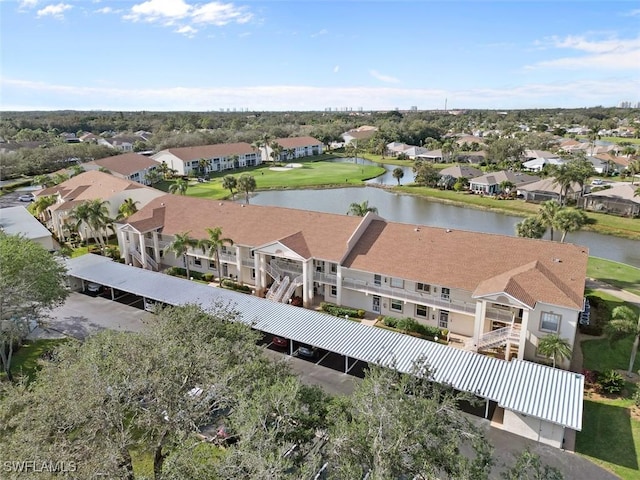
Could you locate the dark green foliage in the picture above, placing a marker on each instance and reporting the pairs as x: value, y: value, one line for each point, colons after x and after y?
x: 338, y: 311
x: 611, y: 381
x: 409, y: 325
x: 231, y: 285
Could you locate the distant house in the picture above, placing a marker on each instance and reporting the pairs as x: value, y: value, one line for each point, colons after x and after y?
x: 546, y: 189
x: 218, y: 157
x: 475, y: 158
x: 123, y: 144
x: 90, y: 186
x: 612, y: 163
x: 460, y: 171
x: 299, y: 146
x: 409, y: 151
x: 435, y: 156
x: 130, y: 166
x: 620, y: 199
x: 489, y: 184
x: 469, y: 140
x: 537, y: 164
x: 364, y: 132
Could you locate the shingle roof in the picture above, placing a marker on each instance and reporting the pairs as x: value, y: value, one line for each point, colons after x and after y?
x: 495, y: 178
x: 458, y: 171
x: 211, y: 151
x: 90, y: 185
x: 621, y: 191
x: 295, y: 142
x: 125, y: 164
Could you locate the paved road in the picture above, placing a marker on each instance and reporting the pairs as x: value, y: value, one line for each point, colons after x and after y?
x: 83, y: 315
x: 615, y: 291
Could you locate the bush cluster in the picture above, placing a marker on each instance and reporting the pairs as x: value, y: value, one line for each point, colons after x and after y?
x: 230, y: 284
x: 181, y: 272
x: 609, y: 381
x: 412, y: 326
x: 338, y: 311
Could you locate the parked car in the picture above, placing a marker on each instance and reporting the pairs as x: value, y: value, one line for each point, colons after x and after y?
x: 27, y: 197
x: 93, y: 287
x: 280, y: 342
x: 597, y: 181
x: 307, y: 351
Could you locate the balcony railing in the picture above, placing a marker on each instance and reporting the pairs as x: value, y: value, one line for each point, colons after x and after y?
x: 248, y: 262
x: 400, y: 294
x: 330, y: 278
x: 295, y: 269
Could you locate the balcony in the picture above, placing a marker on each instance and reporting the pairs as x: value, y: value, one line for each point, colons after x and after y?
x: 328, y: 278
x: 294, y: 269
x: 248, y: 262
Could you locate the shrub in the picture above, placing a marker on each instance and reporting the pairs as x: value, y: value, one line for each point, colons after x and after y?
x: 338, y: 311
x: 176, y: 272
x: 611, y: 381
x: 590, y: 376
x: 231, y: 285
x: 207, y: 277
x: 390, y: 321
x: 636, y: 397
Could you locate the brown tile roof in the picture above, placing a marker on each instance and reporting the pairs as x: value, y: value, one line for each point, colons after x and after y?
x: 126, y: 164
x: 320, y: 235
x: 212, y: 151
x: 295, y: 142
x: 458, y: 171
x: 461, y: 259
x: 496, y: 178
x: 90, y: 185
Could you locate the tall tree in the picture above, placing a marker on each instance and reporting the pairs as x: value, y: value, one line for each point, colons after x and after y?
x: 276, y: 152
x: 554, y: 347
x: 80, y: 217
x: 179, y: 187
x: 547, y: 214
x: 153, y: 176
x: 127, y: 208
x: 563, y: 177
x: 41, y: 204
x: 425, y: 173
x: 634, y: 169
x: 569, y: 220
x: 361, y: 209
x: 212, y: 245
x: 99, y: 220
x: 398, y: 173
x: 180, y: 246
x: 265, y: 140
x: 247, y: 184
x: 31, y: 281
x: 404, y: 426
x: 230, y: 182
x: 623, y: 324
x: 530, y: 227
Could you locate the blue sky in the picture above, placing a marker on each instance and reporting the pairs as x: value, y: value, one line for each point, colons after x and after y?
x: 310, y: 55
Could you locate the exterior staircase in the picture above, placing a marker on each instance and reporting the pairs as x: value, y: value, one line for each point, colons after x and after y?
x: 150, y: 263
x: 499, y: 337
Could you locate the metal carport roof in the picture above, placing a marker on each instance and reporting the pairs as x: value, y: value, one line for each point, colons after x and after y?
x: 529, y: 388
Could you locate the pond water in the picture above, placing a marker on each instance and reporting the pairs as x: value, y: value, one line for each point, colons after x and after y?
x: 417, y: 210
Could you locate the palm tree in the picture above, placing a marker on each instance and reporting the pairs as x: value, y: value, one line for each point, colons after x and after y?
x: 164, y: 169
x: 247, y: 184
x: 40, y: 205
x: 569, y: 220
x: 180, y: 246
x: 398, y: 173
x: 127, y: 208
x: 291, y: 153
x: 265, y: 139
x: 276, y: 151
x: 530, y: 227
x: 634, y: 169
x: 361, y: 209
x: 506, y: 186
x: 230, y: 182
x: 80, y: 218
x: 179, y: 187
x: 554, y: 347
x: 547, y: 214
x: 623, y: 324
x: 351, y: 149
x: 563, y: 177
x: 43, y: 181
x: 153, y: 177
x: 447, y: 151
x: 212, y: 246
x: 203, y: 163
x: 99, y: 220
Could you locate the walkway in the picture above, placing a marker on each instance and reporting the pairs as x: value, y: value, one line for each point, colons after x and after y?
x: 615, y: 291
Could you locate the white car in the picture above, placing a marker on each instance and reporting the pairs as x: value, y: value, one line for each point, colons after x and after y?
x: 28, y: 197
x: 93, y: 287
x: 597, y: 182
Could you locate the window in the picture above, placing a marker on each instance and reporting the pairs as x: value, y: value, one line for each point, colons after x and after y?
x: 550, y: 322
x: 421, y: 311
x: 334, y: 268
x: 253, y: 254
x: 445, y: 293
x: 197, y: 261
x: 443, y: 321
x: 334, y: 291
x: 253, y: 273
x: 423, y: 287
x: 377, y: 279
x: 397, y: 283
x: 212, y: 265
x: 396, y: 305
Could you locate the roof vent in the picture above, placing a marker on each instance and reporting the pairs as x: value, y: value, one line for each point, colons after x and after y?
x: 220, y: 204
x: 417, y: 229
x: 162, y: 204
x: 557, y: 260
x: 448, y: 230
x: 242, y: 205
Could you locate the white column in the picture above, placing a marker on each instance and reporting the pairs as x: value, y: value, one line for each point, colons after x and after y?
x: 143, y: 252
x: 124, y: 246
x: 156, y: 248
x: 257, y: 265
x: 338, y: 285
x: 524, y: 332
x: 240, y: 275
x: 307, y: 273
x: 478, y: 325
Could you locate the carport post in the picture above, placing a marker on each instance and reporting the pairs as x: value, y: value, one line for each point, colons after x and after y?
x: 346, y: 364
x: 486, y: 408
x: 290, y: 348
x: 113, y: 295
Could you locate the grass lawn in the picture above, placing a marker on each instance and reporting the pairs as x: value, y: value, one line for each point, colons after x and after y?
x: 25, y: 360
x: 617, y: 274
x: 609, y: 436
x: 311, y: 174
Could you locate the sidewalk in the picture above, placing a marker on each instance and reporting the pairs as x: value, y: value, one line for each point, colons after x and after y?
x: 615, y: 291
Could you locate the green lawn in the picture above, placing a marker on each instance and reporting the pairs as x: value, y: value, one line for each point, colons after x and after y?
x: 25, y: 360
x: 311, y: 174
x: 617, y: 274
x: 609, y: 436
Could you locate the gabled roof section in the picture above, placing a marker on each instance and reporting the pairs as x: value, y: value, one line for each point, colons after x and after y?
x: 90, y: 185
x: 298, y: 244
x: 126, y: 164
x: 529, y: 284
x: 294, y: 142
x: 153, y: 222
x: 210, y: 151
x: 495, y: 178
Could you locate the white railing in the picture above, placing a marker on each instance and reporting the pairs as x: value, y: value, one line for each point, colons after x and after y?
x: 400, y: 294
x: 248, y: 262
x: 273, y: 289
x: 288, y: 267
x: 277, y: 296
x: 501, y: 315
x: 228, y: 257
x: 500, y: 337
x: 330, y: 278
x: 150, y: 263
x: 274, y: 271
x: 295, y: 283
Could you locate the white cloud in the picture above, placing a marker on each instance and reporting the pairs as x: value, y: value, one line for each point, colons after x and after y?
x: 336, y: 69
x: 633, y: 13
x: 324, y: 31
x: 106, y: 10
x: 27, y: 4
x: 297, y: 97
x: 169, y: 12
x: 382, y: 77
x: 187, y: 30
x: 56, y: 11
x: 607, y: 54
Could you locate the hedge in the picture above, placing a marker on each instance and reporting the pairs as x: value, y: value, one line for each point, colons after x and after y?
x: 231, y: 285
x: 338, y: 311
x: 410, y: 325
